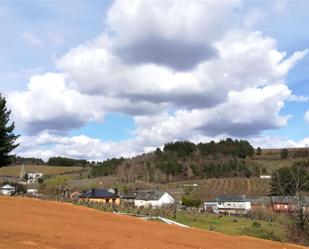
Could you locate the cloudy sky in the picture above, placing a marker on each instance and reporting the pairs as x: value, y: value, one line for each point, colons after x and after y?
x: 97, y: 79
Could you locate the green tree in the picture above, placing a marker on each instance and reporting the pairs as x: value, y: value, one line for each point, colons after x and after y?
x: 188, y: 202
x: 259, y: 151
x: 7, y: 137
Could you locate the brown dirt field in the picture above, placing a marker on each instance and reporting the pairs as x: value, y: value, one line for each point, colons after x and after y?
x: 30, y: 223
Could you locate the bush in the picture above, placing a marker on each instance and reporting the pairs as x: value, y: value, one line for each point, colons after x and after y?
x: 284, y: 153
x: 188, y: 202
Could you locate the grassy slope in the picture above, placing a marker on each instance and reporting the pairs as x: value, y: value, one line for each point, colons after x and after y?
x: 234, y: 225
x: 46, y: 170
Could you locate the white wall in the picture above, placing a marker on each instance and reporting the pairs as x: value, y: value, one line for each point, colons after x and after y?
x: 164, y: 200
x: 7, y: 190
x: 235, y: 205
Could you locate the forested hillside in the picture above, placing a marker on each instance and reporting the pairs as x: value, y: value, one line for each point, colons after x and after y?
x: 184, y: 160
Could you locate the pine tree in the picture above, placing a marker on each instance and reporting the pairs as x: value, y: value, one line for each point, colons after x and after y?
x: 7, y: 137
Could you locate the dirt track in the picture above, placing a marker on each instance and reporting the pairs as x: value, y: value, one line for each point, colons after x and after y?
x: 29, y: 223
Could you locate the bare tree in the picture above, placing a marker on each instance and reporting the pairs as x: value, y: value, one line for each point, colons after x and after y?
x: 294, y: 181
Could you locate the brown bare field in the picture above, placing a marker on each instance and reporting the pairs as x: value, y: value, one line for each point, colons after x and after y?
x: 46, y: 170
x: 30, y: 223
x: 211, y: 188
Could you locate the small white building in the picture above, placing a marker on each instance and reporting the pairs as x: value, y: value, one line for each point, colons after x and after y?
x: 7, y: 190
x: 33, y: 177
x: 32, y: 191
x: 265, y: 176
x: 155, y: 199
x: 228, y: 205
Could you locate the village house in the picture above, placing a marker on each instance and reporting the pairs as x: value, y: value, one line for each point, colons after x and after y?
x: 100, y: 196
x: 265, y: 176
x: 153, y: 198
x: 33, y: 177
x: 277, y: 204
x: 32, y: 191
x: 261, y: 203
x: 7, y: 190
x: 235, y: 205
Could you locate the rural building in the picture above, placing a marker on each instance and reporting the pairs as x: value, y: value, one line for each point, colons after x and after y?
x: 7, y: 190
x: 278, y: 204
x: 32, y: 191
x: 33, y: 177
x: 284, y: 204
x: 154, y: 199
x: 261, y: 203
x: 210, y: 206
x: 265, y: 176
x: 101, y: 196
x: 228, y: 205
x: 127, y: 200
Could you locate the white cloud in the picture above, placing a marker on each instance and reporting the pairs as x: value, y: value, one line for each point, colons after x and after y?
x: 48, y: 104
x: 178, y: 34
x: 178, y: 68
x: 75, y: 147
x: 298, y: 98
x: 88, y: 148
x: 32, y: 40
x: 306, y: 116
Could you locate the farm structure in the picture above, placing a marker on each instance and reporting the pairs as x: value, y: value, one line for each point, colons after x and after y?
x: 33, y: 177
x: 101, y: 196
x: 155, y: 199
x: 279, y: 204
x: 242, y: 205
x: 7, y: 190
x: 228, y: 205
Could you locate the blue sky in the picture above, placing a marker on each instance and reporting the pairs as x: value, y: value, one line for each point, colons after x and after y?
x: 97, y: 79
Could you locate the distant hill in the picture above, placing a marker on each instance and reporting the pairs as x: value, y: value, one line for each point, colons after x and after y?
x: 183, y: 161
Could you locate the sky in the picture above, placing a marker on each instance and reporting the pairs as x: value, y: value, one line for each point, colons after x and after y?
x: 99, y: 79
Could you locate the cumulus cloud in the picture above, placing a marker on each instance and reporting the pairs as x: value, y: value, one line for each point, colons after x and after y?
x: 177, y: 67
x: 48, y: 104
x: 177, y: 34
x: 85, y: 147
x: 75, y: 147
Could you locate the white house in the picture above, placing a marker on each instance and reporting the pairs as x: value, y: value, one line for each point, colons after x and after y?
x: 33, y: 177
x: 155, y: 199
x: 7, y: 190
x: 265, y: 176
x: 228, y: 205
x: 32, y: 191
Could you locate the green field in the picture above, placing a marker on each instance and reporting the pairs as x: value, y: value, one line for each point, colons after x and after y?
x: 46, y: 170
x: 234, y: 225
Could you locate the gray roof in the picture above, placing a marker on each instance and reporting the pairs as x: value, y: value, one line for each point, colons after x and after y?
x: 277, y: 199
x: 231, y: 198
x: 98, y: 193
x: 149, y: 195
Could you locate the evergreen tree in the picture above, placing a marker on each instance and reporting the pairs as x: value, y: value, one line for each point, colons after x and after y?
x: 7, y: 137
x: 259, y: 151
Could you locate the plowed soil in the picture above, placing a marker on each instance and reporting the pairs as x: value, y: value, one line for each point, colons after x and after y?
x: 30, y: 223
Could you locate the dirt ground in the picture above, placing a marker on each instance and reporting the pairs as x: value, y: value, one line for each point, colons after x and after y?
x: 30, y: 223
